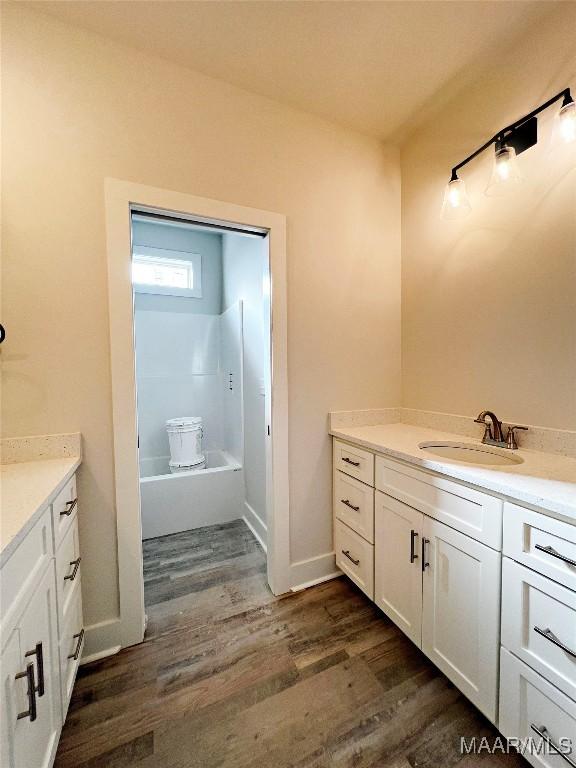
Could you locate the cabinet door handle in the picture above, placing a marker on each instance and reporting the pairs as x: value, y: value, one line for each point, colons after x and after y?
x: 552, y: 552
x: 30, y: 692
x: 346, y: 553
x: 347, y: 502
x: 79, y: 637
x: 349, y: 461
x: 542, y: 731
x: 425, y: 562
x: 71, y: 506
x: 76, y: 564
x: 413, y: 537
x: 40, y: 664
x: 549, y: 635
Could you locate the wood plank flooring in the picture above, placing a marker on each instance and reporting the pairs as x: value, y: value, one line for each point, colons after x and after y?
x: 230, y: 676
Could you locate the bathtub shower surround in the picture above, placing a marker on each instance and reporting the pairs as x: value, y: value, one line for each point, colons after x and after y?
x: 190, y: 365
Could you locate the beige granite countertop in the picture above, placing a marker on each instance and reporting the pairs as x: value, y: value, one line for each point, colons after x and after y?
x: 544, y: 480
x: 26, y: 488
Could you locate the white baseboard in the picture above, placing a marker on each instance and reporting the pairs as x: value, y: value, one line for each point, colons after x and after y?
x: 315, y: 570
x: 256, y: 525
x: 101, y: 640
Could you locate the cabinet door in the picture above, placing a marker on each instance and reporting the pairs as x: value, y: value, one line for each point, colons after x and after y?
x: 31, y: 740
x: 461, y: 608
x: 397, y: 569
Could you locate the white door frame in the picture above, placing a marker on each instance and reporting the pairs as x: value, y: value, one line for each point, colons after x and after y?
x: 120, y: 198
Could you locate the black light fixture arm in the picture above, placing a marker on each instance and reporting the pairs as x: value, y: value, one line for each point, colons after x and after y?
x: 500, y: 137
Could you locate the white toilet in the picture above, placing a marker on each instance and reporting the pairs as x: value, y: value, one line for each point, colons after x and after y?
x: 185, y: 438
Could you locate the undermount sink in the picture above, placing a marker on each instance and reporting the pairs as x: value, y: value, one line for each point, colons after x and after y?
x: 470, y: 453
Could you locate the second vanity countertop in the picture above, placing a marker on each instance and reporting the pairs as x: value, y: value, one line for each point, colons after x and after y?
x: 26, y: 489
x: 543, y: 480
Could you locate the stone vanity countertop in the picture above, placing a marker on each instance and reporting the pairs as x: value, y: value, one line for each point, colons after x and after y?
x: 26, y: 489
x: 543, y: 480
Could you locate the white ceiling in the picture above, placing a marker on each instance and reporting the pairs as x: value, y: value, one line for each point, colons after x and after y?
x: 372, y: 66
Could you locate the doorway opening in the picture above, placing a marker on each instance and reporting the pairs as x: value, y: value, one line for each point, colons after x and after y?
x: 202, y: 346
x: 197, y: 292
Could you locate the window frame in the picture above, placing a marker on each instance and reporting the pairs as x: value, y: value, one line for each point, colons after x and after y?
x: 195, y: 259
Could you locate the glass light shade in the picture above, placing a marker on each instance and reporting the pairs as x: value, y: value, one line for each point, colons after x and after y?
x: 505, y: 174
x: 565, y: 128
x: 456, y: 204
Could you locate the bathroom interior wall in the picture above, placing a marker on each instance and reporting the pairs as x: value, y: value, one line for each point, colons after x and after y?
x: 77, y: 108
x: 178, y: 346
x: 489, y: 302
x: 244, y: 268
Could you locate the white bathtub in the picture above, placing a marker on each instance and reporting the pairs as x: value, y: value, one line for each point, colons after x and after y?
x: 185, y: 500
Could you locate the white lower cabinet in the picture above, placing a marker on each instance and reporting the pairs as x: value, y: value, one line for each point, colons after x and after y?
x: 30, y: 704
x: 41, y: 635
x: 440, y: 575
x: 536, y: 713
x: 442, y: 589
x: 397, y: 564
x: 461, y: 612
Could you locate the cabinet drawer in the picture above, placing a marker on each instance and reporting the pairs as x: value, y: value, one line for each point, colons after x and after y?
x: 537, y: 614
x: 67, y: 569
x: 474, y: 513
x: 354, y: 504
x: 542, y: 543
x: 354, y: 461
x: 64, y: 509
x: 25, y: 566
x: 71, y: 644
x: 355, y: 557
x: 528, y: 702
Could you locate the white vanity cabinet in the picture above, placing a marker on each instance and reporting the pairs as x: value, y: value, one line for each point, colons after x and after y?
x: 442, y: 588
x: 437, y: 563
x: 31, y: 705
x: 485, y: 587
x: 40, y: 599
x: 538, y: 667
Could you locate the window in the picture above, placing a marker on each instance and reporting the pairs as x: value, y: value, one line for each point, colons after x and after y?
x: 158, y: 270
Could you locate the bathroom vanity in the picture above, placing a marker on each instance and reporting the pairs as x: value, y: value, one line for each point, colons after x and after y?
x: 475, y: 564
x: 41, y: 624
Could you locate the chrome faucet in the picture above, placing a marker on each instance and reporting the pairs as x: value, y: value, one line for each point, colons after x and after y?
x: 493, y: 431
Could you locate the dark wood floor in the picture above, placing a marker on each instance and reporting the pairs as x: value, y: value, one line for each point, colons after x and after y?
x: 231, y: 676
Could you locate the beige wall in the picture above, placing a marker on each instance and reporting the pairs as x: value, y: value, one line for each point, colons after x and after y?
x: 489, y: 304
x: 77, y: 108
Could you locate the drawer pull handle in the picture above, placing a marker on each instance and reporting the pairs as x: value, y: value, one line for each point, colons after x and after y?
x: 79, y: 637
x: 76, y: 564
x: 551, y: 551
x: 40, y: 664
x: 425, y: 563
x: 346, y: 553
x: 413, y: 537
x: 549, y: 635
x: 348, y: 504
x: 71, y: 506
x: 542, y: 731
x: 30, y: 692
x: 349, y: 461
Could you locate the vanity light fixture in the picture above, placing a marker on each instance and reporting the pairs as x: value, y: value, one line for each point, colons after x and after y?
x: 508, y: 144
